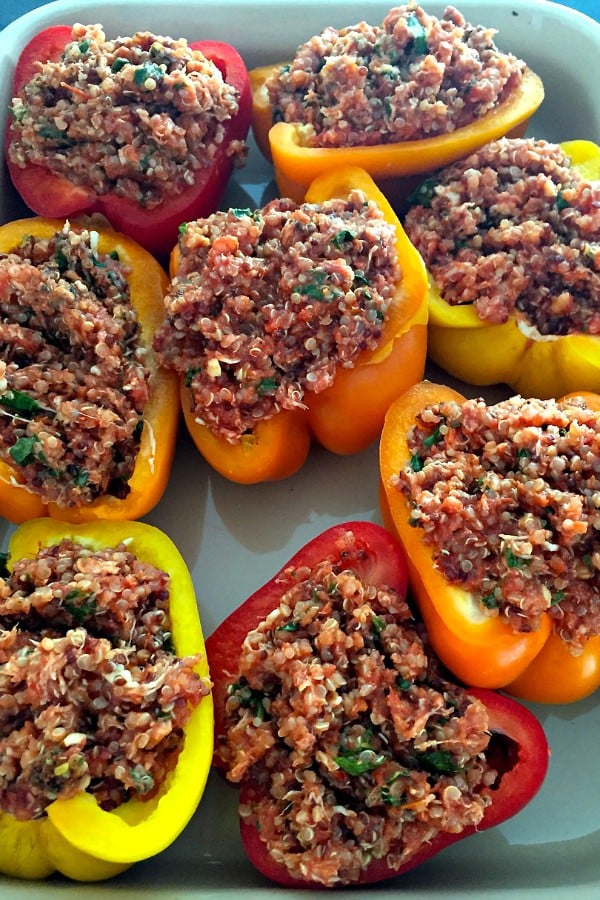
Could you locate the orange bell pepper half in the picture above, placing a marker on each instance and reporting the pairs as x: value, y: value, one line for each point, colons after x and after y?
x: 296, y: 165
x: 148, y: 283
x: 481, y: 650
x: 346, y: 417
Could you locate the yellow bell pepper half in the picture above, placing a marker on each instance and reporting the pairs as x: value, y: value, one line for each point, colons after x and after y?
x: 534, y: 365
x: 76, y: 837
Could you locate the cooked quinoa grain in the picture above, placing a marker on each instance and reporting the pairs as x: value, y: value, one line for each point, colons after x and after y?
x: 92, y: 696
x: 268, y: 303
x: 73, y: 376
x: 514, y: 230
x: 136, y: 116
x: 508, y: 497
x: 414, y: 76
x: 354, y: 745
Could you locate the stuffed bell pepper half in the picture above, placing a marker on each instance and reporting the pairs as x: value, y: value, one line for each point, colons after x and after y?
x: 397, y: 99
x: 144, y: 129
x: 293, y: 322
x: 106, y: 716
x: 88, y: 420
x: 498, y: 509
x: 510, y: 236
x: 356, y: 758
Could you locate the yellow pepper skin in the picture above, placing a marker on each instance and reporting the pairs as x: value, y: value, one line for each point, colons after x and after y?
x: 483, y: 354
x: 77, y: 838
x: 297, y: 165
x: 148, y: 283
x: 346, y: 417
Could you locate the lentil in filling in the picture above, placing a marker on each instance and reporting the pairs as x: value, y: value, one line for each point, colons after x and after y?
x: 92, y: 696
x: 136, y: 116
x: 514, y: 230
x: 267, y: 304
x: 412, y: 77
x: 73, y: 379
x: 355, y: 745
x: 508, y: 497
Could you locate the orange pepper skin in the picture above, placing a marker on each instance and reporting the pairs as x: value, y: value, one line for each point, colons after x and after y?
x: 481, y: 353
x: 76, y: 837
x: 148, y: 284
x: 297, y: 165
x: 481, y: 650
x: 346, y: 417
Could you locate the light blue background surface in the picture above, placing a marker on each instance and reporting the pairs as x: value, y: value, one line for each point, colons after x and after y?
x: 11, y: 9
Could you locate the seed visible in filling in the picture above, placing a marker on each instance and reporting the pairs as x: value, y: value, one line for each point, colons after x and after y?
x: 412, y: 77
x: 508, y: 497
x: 514, y: 230
x: 73, y: 379
x: 92, y: 695
x: 354, y: 745
x: 267, y: 304
x: 136, y: 116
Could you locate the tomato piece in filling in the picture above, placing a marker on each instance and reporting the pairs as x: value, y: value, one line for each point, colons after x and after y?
x: 508, y: 497
x: 267, y: 304
x: 354, y: 745
x: 85, y: 645
x: 73, y: 378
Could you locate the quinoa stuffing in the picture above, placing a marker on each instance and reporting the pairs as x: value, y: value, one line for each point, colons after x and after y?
x: 514, y: 230
x: 92, y: 696
x: 73, y: 374
x: 136, y: 116
x: 412, y: 77
x: 355, y: 746
x: 508, y: 497
x: 267, y: 304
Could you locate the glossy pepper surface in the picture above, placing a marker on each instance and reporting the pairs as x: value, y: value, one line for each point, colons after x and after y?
x: 77, y: 837
x: 481, y: 650
x: 481, y: 353
x: 518, y: 749
x: 297, y: 165
x: 346, y: 417
x: 147, y: 281
x: 51, y: 195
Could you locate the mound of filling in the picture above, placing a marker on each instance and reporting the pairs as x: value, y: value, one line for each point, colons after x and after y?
x: 73, y: 378
x: 508, y: 497
x: 267, y: 304
x: 514, y: 230
x: 354, y: 746
x: 412, y: 77
x: 92, y: 695
x: 136, y: 116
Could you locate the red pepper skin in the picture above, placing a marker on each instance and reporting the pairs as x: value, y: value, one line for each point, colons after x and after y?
x: 53, y: 196
x: 519, y: 749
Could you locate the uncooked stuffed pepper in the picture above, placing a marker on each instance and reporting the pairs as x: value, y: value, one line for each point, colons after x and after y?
x: 397, y: 99
x: 292, y: 322
x: 88, y: 420
x: 145, y: 129
x: 510, y: 237
x: 106, y: 729
x: 355, y: 757
x: 497, y: 507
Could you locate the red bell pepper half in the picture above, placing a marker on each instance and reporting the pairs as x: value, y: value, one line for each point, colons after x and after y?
x: 517, y: 750
x: 156, y: 229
